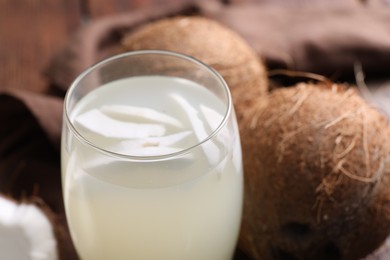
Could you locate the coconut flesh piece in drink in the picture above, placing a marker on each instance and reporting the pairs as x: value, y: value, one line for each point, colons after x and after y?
x: 139, y: 114
x: 25, y: 232
x: 214, y: 119
x: 135, y: 138
x: 99, y: 123
x: 117, y: 121
x: 131, y: 147
x: 210, y: 149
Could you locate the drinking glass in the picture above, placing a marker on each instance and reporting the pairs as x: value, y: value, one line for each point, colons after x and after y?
x: 151, y: 160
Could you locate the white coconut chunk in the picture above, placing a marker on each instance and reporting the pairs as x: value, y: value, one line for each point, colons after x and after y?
x: 99, y: 123
x: 213, y: 118
x: 139, y: 114
x: 140, y: 147
x: 209, y: 148
x: 25, y: 232
x: 167, y: 140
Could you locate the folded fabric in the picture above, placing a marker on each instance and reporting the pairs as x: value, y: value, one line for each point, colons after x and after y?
x: 327, y: 41
x: 313, y: 38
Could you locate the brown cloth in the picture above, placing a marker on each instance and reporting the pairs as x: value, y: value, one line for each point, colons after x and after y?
x: 325, y: 39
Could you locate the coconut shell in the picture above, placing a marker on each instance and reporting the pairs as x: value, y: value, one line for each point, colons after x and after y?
x: 317, y: 166
x: 65, y: 247
x: 208, y: 41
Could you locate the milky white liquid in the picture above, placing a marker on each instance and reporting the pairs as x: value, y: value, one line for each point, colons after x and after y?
x: 182, y: 208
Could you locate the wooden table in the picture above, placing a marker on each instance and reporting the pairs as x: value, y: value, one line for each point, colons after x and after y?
x: 32, y: 31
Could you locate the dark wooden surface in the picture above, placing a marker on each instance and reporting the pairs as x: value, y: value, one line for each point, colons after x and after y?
x: 32, y: 31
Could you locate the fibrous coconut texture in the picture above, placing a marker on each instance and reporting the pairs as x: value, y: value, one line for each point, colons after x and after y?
x: 211, y: 43
x: 316, y: 160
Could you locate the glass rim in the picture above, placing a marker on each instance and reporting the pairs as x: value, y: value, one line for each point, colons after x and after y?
x: 87, y: 71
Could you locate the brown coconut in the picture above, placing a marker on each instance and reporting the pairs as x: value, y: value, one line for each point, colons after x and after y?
x: 210, y: 42
x: 317, y: 166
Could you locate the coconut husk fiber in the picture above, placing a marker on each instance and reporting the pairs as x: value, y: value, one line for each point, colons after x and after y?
x: 204, y: 39
x: 326, y: 39
x: 210, y: 42
x: 317, y: 165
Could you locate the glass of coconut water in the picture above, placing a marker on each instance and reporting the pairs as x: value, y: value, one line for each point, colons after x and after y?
x: 151, y: 160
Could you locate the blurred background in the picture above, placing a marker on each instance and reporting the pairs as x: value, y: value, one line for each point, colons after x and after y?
x: 33, y: 31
